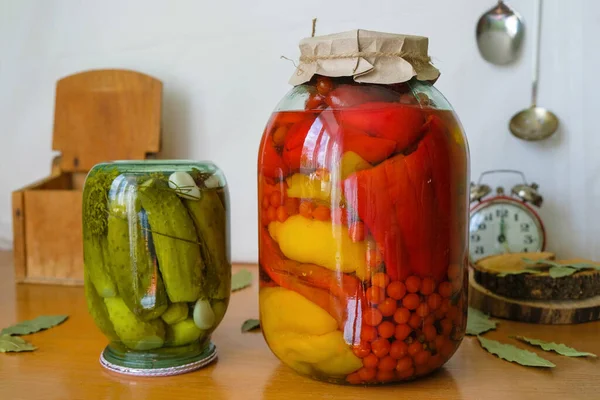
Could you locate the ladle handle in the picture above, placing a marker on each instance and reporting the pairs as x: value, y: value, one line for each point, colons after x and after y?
x: 536, y: 53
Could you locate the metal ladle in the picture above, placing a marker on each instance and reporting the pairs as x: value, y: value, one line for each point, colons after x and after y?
x: 534, y: 123
x: 499, y: 34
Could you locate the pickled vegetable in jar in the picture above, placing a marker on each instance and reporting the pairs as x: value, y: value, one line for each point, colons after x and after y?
x: 362, y: 194
x: 157, y: 262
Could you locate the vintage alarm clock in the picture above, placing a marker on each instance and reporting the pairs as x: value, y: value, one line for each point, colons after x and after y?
x: 505, y: 224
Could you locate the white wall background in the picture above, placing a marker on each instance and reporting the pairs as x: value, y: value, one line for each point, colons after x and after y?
x: 219, y: 61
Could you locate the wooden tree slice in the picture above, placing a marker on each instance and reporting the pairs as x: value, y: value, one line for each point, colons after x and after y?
x: 532, y: 311
x: 491, y: 273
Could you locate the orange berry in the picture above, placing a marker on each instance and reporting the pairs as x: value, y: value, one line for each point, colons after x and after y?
x: 454, y: 271
x: 356, y: 230
x: 423, y: 310
x: 264, y: 217
x: 445, y: 289
x: 414, y: 348
x: 421, y: 369
x: 372, y: 316
x: 447, y: 349
x: 440, y: 340
x: 367, y: 374
x: 275, y: 198
x: 380, y: 279
x: 387, y: 363
x: 324, y: 85
x: 272, y: 213
x: 362, y: 350
x: 430, y: 333
x: 415, y: 321
x: 371, y: 361
x: 380, y: 347
x: 405, y: 374
x: 291, y: 206
x: 266, y: 202
x: 446, y: 325
x: 413, y: 284
x: 322, y: 213
x: 427, y: 286
x: 404, y: 364
x: 281, y: 214
x: 385, y: 375
x: 422, y: 357
x: 306, y: 209
x: 435, y: 361
x: 452, y: 313
x: 429, y: 320
x: 354, y: 378
x: 368, y: 333
x: 375, y: 295
x: 402, y: 316
x: 387, y: 307
x: 411, y: 301
x: 457, y: 284
x: 386, y: 329
x: 398, y: 349
x: 434, y: 301
x: 402, y: 331
x: 396, y: 290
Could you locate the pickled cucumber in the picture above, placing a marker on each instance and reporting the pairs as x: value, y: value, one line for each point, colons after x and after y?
x: 175, y: 239
x: 135, y: 268
x: 97, y: 308
x: 96, y: 260
x: 210, y: 221
x: 176, y: 312
x: 133, y: 332
x: 182, y: 333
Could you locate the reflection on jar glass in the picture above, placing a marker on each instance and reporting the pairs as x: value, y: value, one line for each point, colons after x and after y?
x: 362, y: 235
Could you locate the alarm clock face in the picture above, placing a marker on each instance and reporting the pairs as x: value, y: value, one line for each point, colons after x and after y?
x: 504, y: 226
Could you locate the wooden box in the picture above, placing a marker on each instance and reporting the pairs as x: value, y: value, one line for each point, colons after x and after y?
x: 100, y: 115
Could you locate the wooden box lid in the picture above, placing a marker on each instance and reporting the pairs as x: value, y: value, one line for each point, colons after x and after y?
x: 104, y: 115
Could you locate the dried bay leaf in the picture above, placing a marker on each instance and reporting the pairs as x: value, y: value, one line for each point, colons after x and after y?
x: 559, y: 272
x: 478, y: 322
x: 514, y: 354
x: 14, y: 344
x: 250, y: 325
x: 559, y: 348
x: 34, y: 325
x: 240, y: 280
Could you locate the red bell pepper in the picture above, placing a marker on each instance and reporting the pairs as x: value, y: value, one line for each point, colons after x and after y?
x: 399, y: 201
x: 436, y: 141
x: 398, y: 122
x: 372, y: 149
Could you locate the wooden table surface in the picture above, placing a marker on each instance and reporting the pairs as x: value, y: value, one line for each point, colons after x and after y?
x: 66, y: 364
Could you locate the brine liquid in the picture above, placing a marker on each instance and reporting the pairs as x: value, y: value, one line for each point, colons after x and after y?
x: 362, y: 238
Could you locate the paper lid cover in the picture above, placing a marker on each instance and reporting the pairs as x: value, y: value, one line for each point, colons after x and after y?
x: 367, y: 56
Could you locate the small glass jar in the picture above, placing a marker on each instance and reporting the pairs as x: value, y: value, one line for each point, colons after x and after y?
x: 157, y: 262
x: 363, y: 195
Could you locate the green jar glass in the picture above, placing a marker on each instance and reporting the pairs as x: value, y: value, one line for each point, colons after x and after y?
x: 157, y: 262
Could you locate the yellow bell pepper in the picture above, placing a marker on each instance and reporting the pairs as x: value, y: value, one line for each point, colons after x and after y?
x: 317, y: 187
x: 303, y: 335
x: 352, y: 162
x: 321, y: 243
x: 308, y: 187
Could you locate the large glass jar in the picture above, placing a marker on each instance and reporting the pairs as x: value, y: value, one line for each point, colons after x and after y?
x: 362, y: 230
x: 157, y: 262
